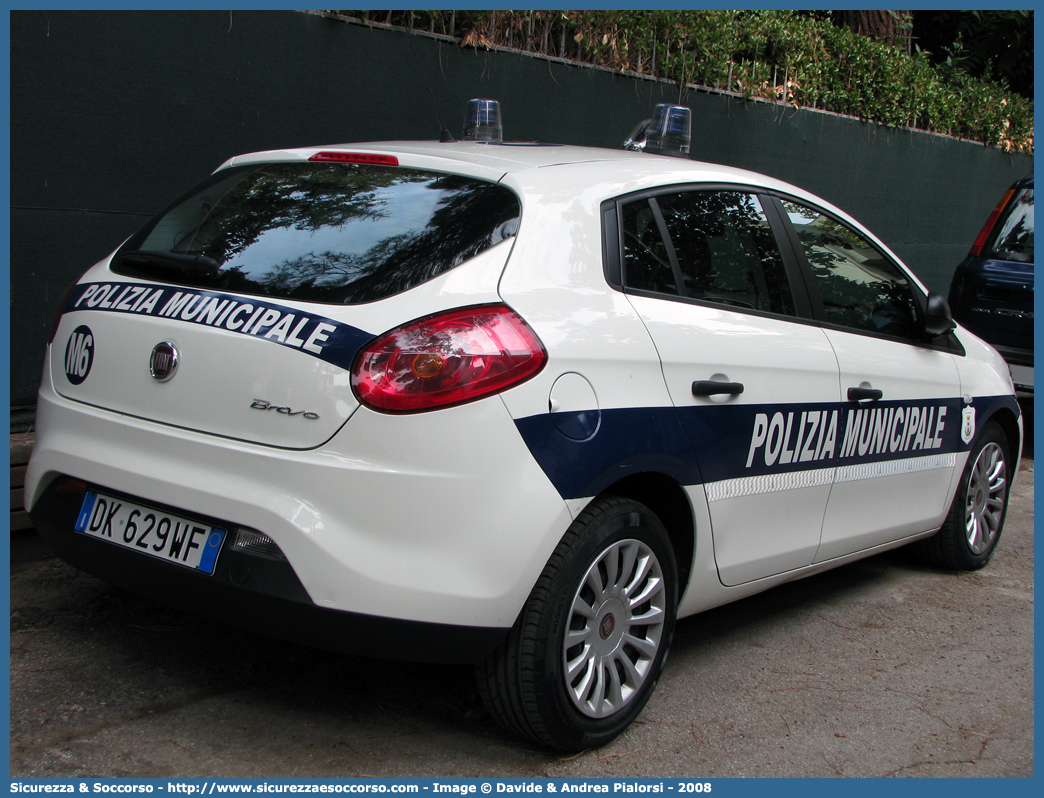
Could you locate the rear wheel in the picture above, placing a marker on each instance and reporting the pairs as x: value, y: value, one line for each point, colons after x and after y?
x: 589, y: 645
x: 969, y: 537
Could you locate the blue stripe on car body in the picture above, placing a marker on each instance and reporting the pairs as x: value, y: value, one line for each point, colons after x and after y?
x: 708, y: 444
x: 327, y: 339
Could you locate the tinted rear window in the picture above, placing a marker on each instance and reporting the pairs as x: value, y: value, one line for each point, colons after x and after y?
x: 336, y: 233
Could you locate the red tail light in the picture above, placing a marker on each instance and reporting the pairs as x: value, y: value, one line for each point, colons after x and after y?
x: 447, y: 359
x: 980, y: 240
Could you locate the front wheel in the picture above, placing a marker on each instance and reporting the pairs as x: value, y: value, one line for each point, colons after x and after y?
x: 969, y: 536
x: 590, y: 643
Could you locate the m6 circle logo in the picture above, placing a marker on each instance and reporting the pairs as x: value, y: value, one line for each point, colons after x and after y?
x: 79, y: 354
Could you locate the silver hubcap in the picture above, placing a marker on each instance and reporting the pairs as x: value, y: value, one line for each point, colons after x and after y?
x: 615, y: 627
x: 985, y: 508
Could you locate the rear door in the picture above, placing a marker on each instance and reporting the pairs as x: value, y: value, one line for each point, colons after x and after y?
x: 755, y: 385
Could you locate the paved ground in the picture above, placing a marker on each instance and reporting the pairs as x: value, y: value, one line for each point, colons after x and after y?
x: 883, y: 668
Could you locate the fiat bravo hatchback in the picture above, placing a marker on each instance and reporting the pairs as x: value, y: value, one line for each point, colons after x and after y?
x: 520, y: 406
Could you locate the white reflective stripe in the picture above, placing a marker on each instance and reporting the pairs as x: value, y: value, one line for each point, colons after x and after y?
x: 768, y: 483
x: 795, y: 480
x: 892, y: 468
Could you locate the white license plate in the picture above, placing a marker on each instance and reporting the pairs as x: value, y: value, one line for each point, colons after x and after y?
x: 149, y: 531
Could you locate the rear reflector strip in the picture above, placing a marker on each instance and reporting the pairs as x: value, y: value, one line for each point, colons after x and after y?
x: 373, y: 159
x: 70, y: 490
x: 250, y: 541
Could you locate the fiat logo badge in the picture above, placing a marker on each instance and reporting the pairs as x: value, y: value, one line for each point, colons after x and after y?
x: 163, y: 361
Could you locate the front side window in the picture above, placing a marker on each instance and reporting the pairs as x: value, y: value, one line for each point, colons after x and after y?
x: 714, y: 246
x: 338, y: 233
x: 858, y: 285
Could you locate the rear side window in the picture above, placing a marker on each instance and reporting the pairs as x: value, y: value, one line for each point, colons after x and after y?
x: 336, y: 233
x: 858, y: 285
x: 714, y: 246
x: 1013, y: 234
x: 647, y: 266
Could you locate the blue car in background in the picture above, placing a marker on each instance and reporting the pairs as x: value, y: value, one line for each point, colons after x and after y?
x: 992, y: 290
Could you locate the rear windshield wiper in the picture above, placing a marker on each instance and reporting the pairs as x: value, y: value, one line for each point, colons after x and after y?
x: 195, y: 265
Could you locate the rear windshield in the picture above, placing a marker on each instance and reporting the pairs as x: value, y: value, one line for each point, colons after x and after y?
x: 336, y: 233
x: 1013, y: 235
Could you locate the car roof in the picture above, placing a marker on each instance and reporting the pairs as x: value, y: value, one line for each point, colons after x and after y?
x: 531, y: 165
x: 560, y: 171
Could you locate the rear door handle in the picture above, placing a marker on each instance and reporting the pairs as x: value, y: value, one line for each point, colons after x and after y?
x: 859, y: 394
x: 714, y: 388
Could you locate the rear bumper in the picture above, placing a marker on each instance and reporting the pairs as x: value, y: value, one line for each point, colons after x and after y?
x: 1022, y: 376
x: 443, y: 520
x: 258, y: 594
x: 1020, y: 361
x: 1016, y: 356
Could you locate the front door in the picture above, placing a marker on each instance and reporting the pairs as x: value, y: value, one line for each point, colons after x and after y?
x: 901, y: 422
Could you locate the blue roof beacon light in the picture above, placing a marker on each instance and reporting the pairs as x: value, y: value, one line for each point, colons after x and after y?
x: 482, y: 122
x: 669, y: 132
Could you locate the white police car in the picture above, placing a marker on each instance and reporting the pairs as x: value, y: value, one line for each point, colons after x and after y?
x: 515, y: 405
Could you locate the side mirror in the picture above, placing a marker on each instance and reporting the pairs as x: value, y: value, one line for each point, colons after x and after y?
x: 937, y: 318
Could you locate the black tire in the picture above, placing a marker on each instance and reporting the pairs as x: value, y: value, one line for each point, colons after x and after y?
x: 621, y: 547
x: 969, y: 536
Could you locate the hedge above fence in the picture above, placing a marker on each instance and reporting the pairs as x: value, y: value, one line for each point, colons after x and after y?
x: 782, y: 56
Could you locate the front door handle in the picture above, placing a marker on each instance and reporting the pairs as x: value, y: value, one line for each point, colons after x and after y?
x: 714, y: 388
x: 859, y: 394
